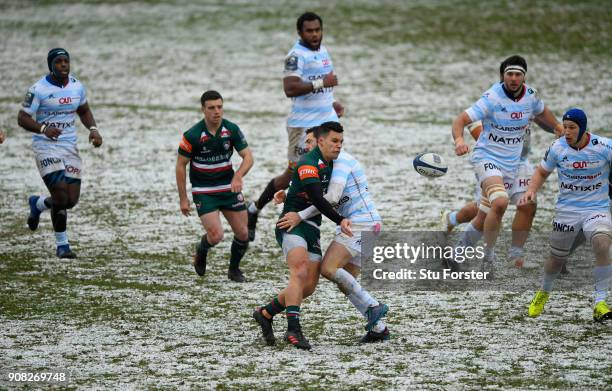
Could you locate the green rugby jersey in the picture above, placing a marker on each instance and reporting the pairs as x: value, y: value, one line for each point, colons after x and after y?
x: 310, y: 169
x: 210, y: 169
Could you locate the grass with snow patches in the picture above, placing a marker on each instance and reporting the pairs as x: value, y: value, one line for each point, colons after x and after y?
x: 130, y: 312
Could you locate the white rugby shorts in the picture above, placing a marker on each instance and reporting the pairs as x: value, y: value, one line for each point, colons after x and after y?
x: 296, y: 147
x: 515, y: 185
x: 353, y: 244
x: 54, y: 156
x: 568, y: 226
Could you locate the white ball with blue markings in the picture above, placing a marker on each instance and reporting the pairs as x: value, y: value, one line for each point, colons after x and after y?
x: 430, y: 164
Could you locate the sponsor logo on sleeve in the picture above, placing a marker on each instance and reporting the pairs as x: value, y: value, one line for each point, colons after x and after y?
x: 306, y: 172
x: 29, y: 98
x: 291, y: 63
x: 185, y: 145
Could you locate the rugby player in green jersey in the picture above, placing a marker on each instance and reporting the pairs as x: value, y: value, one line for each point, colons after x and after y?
x: 208, y: 147
x: 301, y: 246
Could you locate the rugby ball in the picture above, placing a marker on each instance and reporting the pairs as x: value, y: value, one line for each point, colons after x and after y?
x: 430, y: 164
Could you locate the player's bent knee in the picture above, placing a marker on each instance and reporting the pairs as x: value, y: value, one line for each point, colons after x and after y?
x: 308, y: 290
x: 328, y: 271
x: 71, y: 204
x: 214, y: 236
x: 484, y: 205
x: 559, y: 256
x: 242, y: 234
x: 499, y: 204
x: 528, y: 208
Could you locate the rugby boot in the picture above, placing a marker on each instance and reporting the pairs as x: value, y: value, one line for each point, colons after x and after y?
x: 517, y: 262
x: 601, y: 312
x: 297, y: 339
x: 236, y: 275
x: 537, y: 304
x: 199, y: 260
x: 34, y: 217
x: 266, y: 327
x: 374, y: 314
x: 251, y: 223
x: 373, y: 336
x: 64, y: 251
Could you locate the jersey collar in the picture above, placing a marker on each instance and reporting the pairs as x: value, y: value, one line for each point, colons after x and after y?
x: 302, y: 44
x: 319, y: 155
x: 511, y: 96
x: 588, y: 141
x: 52, y: 81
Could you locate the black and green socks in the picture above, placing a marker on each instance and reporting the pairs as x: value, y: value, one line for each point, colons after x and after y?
x: 293, y: 317
x: 274, y: 307
x: 204, y: 245
x: 239, y: 248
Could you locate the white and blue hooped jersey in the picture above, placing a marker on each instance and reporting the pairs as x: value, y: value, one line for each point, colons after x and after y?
x: 505, y: 121
x: 355, y: 202
x: 583, y: 174
x: 55, y: 106
x: 316, y: 107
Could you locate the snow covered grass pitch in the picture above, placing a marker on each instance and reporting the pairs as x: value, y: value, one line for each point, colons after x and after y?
x: 130, y: 312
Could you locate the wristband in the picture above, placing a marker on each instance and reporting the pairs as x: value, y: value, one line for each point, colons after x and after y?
x: 91, y: 129
x: 42, y: 129
x: 317, y: 84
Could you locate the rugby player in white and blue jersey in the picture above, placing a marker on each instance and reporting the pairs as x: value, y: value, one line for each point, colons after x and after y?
x: 48, y: 111
x: 308, y: 80
x: 348, y: 193
x: 582, y: 160
x: 505, y: 111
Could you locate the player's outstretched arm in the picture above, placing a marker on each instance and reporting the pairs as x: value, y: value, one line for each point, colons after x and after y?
x: 334, y: 192
x: 315, y: 194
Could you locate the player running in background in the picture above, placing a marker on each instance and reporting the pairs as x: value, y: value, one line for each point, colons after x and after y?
x: 505, y: 111
x: 54, y: 100
x: 208, y: 147
x: 348, y: 193
x: 2, y: 136
x: 301, y: 246
x: 583, y: 163
x: 523, y: 219
x: 308, y: 80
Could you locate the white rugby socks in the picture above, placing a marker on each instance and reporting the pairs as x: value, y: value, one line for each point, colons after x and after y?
x: 359, y: 297
x: 61, y: 238
x: 602, y: 276
x: 470, y: 236
x: 40, y: 204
